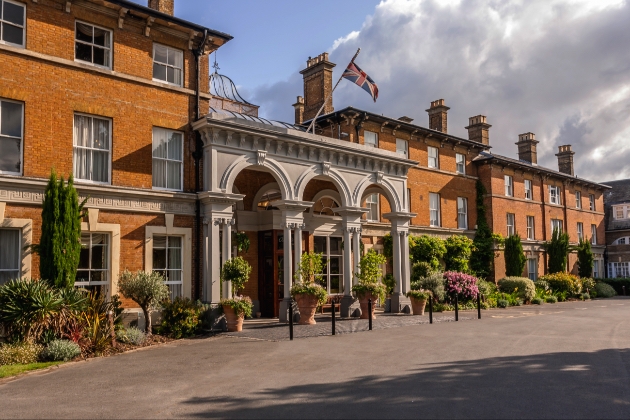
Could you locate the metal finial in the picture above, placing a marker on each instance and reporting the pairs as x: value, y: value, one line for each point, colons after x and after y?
x: 215, y: 66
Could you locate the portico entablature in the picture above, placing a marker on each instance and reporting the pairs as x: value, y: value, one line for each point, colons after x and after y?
x: 294, y: 158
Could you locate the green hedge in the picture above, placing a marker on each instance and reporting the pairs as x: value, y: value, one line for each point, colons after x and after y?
x: 617, y: 284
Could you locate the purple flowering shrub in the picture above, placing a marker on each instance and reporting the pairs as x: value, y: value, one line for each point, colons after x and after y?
x: 463, y: 284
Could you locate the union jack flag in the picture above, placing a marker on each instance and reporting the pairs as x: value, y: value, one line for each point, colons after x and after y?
x: 358, y: 76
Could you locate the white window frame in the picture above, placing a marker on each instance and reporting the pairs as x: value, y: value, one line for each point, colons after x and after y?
x: 532, y: 268
x: 557, y: 223
x: 169, y: 49
x: 19, y: 254
x: 462, y: 213
x: 618, y: 269
x: 109, y: 151
x: 327, y: 274
x: 554, y: 195
x: 167, y: 269
x: 373, y: 202
x: 510, y: 224
x: 23, y: 45
x: 596, y: 264
x: 529, y: 194
x: 620, y: 241
x: 580, y: 231
x: 21, y: 138
x: 531, y: 228
x: 435, y: 218
x: 578, y: 199
x: 409, y: 199
x: 166, y: 160
x: 460, y: 163
x: 509, y: 185
x: 593, y: 234
x: 110, y: 60
x: 373, y: 138
x: 591, y: 202
x: 402, y: 147
x: 617, y: 210
x: 433, y: 161
x: 108, y: 259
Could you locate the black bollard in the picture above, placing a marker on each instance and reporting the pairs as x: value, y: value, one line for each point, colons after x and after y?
x: 370, y: 313
x: 430, y: 309
x: 456, y: 309
x: 291, y: 320
x: 478, y: 305
x: 333, y: 318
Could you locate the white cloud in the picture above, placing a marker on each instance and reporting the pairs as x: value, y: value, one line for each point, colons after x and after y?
x: 558, y: 68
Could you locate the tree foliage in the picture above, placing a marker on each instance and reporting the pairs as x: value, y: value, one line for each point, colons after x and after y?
x: 514, y: 256
x: 369, y: 275
x: 585, y: 258
x: 457, y: 255
x: 60, y: 245
x: 428, y: 249
x: 146, y: 289
x: 557, y: 251
x: 236, y: 270
x: 482, y: 257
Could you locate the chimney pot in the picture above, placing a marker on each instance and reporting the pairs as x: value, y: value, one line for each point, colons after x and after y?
x: 299, y: 110
x: 438, y: 113
x: 317, y: 86
x: 478, y: 129
x: 164, y: 6
x: 565, y: 159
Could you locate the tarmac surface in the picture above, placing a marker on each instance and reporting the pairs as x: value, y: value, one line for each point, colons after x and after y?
x: 567, y: 360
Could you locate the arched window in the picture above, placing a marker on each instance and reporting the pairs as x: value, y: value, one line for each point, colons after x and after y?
x: 326, y: 206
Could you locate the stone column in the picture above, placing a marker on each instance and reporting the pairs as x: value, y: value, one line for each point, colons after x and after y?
x: 211, y: 262
x: 227, y: 251
x: 406, y: 263
x: 347, y: 263
x: 284, y: 306
x: 402, y: 269
x: 356, y: 249
x: 397, y: 261
x: 298, y: 245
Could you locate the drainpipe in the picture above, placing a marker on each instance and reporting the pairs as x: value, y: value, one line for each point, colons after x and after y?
x: 197, y: 155
x: 360, y: 124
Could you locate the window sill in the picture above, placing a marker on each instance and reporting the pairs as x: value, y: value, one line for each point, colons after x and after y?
x: 87, y: 181
x: 10, y: 44
x: 168, y: 189
x: 87, y: 63
x: 164, y: 82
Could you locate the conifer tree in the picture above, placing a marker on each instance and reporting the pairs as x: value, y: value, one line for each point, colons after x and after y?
x: 60, y: 245
x: 514, y: 256
x: 482, y: 256
x: 585, y: 258
x: 557, y: 252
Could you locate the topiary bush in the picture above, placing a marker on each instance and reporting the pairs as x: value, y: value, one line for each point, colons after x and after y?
x: 61, y: 351
x: 563, y: 282
x: 464, y: 285
x: 131, y: 335
x: 604, y: 290
x: 180, y: 318
x: 551, y: 299
x: 433, y: 283
x: 370, y: 265
x: 20, y: 353
x: 421, y: 269
x: 308, y: 277
x: 236, y: 270
x: 524, y: 287
x: 514, y: 256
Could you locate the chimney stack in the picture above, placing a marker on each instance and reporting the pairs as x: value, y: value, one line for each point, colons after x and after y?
x: 164, y: 6
x: 437, y: 116
x: 478, y: 129
x: 317, y: 85
x: 527, y: 147
x: 299, y: 110
x: 565, y: 159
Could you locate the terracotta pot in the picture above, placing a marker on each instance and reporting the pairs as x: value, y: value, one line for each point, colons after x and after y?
x: 363, y: 301
x: 418, y: 305
x: 307, y: 305
x: 234, y: 322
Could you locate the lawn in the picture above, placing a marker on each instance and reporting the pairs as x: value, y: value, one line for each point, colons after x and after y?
x: 12, y: 370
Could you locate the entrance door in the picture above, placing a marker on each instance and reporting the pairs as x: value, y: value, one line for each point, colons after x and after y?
x: 266, y: 277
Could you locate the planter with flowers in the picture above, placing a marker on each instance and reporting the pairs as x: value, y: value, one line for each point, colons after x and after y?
x: 418, y: 300
x: 368, y: 285
x: 306, y: 291
x: 236, y: 270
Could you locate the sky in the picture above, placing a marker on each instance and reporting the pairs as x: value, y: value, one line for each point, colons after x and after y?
x: 557, y: 68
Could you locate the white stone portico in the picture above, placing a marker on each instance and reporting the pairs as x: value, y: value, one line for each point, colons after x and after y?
x: 234, y: 142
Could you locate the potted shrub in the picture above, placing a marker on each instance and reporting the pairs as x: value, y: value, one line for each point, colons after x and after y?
x: 418, y: 300
x: 368, y: 286
x: 307, y: 293
x: 236, y: 270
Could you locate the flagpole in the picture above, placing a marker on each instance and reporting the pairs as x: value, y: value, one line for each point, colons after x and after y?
x: 329, y: 95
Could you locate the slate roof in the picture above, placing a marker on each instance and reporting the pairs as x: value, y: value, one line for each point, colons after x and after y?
x: 619, y: 191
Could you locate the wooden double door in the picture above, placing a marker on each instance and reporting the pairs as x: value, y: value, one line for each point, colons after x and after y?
x: 271, y: 270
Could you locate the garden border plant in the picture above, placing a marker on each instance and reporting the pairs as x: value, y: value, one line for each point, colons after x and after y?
x: 306, y: 291
x: 236, y: 270
x: 368, y: 286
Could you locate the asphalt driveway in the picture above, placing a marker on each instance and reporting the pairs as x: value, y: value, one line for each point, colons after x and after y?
x: 568, y: 360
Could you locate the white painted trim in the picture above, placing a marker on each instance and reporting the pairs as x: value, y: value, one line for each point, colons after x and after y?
x: 170, y: 230
x: 114, y: 231
x: 262, y: 191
